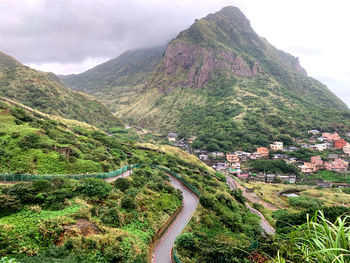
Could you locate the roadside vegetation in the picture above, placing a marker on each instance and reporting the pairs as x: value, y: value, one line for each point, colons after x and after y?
x: 65, y: 220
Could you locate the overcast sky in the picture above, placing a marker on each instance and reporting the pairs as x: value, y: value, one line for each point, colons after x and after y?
x: 71, y: 36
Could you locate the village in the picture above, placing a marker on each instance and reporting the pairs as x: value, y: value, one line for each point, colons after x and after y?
x: 336, y: 159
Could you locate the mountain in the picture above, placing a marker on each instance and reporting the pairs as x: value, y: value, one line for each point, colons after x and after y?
x: 7, y: 61
x: 44, y: 92
x: 130, y: 68
x: 220, y: 81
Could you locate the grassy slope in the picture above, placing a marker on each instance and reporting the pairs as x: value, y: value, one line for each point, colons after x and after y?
x: 44, y: 91
x: 130, y: 68
x: 28, y: 138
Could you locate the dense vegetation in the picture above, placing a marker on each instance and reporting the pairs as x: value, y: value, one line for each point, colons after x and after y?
x: 90, y: 220
x: 319, y: 237
x: 44, y: 92
x: 30, y: 143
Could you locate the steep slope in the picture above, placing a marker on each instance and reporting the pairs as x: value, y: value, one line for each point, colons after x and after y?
x: 130, y: 68
x: 45, y: 92
x: 7, y: 61
x: 222, y: 82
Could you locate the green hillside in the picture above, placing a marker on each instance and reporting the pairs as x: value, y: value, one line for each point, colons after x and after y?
x: 30, y: 142
x: 222, y: 82
x: 130, y: 68
x: 7, y: 61
x: 45, y: 92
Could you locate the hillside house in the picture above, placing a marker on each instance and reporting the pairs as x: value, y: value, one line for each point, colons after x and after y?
x: 257, y: 178
x: 339, y: 144
x: 292, y: 160
x: 63, y: 150
x: 308, y: 167
x: 314, y: 132
x: 191, y: 139
x: 243, y: 155
x: 322, y: 146
x: 277, y: 146
x: 255, y: 156
x: 346, y: 149
x: 331, y: 136
x: 203, y: 157
x: 279, y: 156
x: 318, y: 162
x: 217, y: 154
x: 220, y: 166
x: 263, y: 151
x: 270, y: 178
x: 338, y: 165
x: 172, y: 137
x: 333, y: 156
x: 232, y: 158
x: 235, y: 168
x: 321, y: 139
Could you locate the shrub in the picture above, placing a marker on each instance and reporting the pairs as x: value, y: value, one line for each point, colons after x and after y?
x: 55, y: 200
x: 94, y: 187
x: 9, y: 203
x: 207, y: 201
x: 128, y: 203
x: 305, y: 202
x: 111, y: 217
x: 122, y: 184
x: 187, y: 241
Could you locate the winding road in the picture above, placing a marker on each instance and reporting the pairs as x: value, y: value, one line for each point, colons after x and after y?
x: 267, y: 228
x: 162, y: 252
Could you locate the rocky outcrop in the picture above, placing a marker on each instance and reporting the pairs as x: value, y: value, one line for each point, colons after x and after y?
x: 188, y: 65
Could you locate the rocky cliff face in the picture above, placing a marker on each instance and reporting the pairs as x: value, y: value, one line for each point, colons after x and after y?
x: 197, y: 65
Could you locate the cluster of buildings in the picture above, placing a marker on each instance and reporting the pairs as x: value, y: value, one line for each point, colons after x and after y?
x: 329, y: 140
x: 316, y: 163
x: 231, y: 162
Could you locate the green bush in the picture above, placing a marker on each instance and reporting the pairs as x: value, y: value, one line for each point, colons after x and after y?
x: 187, y: 241
x: 110, y: 217
x: 122, y: 184
x: 128, y: 203
x: 207, y: 201
x: 93, y: 187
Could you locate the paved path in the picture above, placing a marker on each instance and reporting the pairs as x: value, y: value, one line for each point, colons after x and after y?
x: 268, y: 229
x: 251, y: 197
x: 125, y: 174
x: 162, y: 252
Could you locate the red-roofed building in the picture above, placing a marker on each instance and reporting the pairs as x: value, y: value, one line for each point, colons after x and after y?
x: 339, y: 144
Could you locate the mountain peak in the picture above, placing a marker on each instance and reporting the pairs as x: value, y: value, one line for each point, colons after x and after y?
x: 234, y: 15
x: 7, y: 61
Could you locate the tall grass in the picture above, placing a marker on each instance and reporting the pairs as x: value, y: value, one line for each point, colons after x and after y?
x: 320, y: 241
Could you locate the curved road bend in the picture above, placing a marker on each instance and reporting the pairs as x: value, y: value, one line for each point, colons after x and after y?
x: 267, y: 228
x: 162, y: 252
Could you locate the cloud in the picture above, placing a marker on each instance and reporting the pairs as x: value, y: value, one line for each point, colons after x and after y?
x: 71, y: 31
x: 70, y: 36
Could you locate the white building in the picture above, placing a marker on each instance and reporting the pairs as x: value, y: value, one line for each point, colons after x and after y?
x: 277, y: 146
